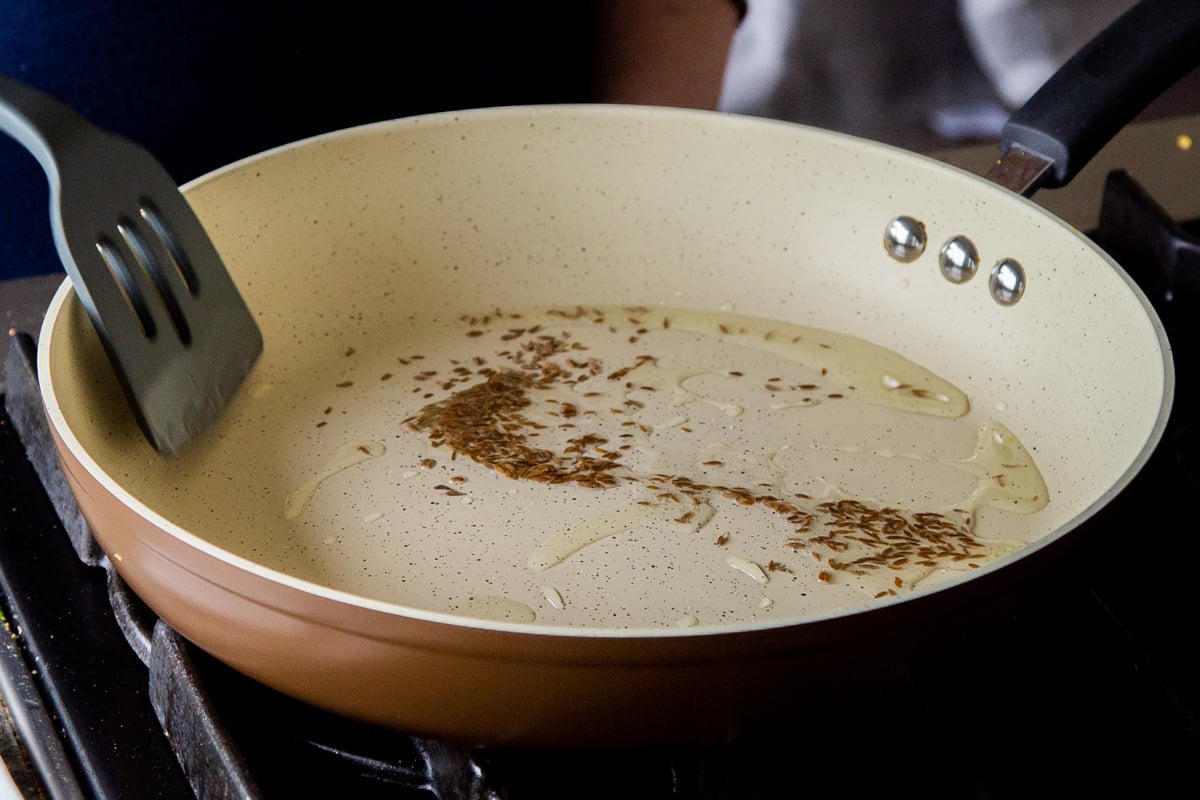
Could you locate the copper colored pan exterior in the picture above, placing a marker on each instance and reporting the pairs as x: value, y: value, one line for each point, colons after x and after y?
x: 506, y: 689
x: 553, y: 206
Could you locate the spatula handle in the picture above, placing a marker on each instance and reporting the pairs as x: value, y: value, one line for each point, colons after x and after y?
x: 36, y: 120
x: 1105, y: 85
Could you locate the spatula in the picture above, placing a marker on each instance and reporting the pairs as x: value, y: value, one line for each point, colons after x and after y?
x: 179, y: 335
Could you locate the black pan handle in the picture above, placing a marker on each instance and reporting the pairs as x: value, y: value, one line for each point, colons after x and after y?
x: 1104, y: 86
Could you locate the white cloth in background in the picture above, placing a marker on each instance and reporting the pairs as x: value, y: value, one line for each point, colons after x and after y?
x: 916, y: 73
x: 1020, y: 43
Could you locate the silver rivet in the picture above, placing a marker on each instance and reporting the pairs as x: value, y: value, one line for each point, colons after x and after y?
x: 1007, y: 282
x: 904, y: 239
x: 959, y: 259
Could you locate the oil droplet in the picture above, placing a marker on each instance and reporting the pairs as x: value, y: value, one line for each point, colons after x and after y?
x: 652, y: 373
x: 558, y: 547
x: 1009, y: 480
x: 687, y: 621
x: 553, y: 597
x: 347, y: 456
x: 766, y: 602
x: 804, y: 402
x: 1183, y: 142
x: 373, y: 517
x: 748, y: 568
x: 498, y: 609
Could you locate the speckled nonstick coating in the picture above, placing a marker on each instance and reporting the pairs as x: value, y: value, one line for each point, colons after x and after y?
x: 349, y: 245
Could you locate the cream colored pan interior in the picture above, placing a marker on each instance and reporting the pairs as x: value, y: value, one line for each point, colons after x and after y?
x: 721, y: 346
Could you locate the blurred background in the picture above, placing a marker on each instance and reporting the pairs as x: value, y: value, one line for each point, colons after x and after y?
x: 202, y: 83
x: 920, y: 74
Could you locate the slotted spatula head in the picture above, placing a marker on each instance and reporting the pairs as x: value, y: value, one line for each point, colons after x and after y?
x: 177, y: 331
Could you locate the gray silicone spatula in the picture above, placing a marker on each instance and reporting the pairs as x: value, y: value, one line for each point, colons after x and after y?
x: 177, y: 331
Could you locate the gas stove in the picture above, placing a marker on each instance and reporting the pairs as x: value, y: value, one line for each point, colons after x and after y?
x: 1091, y: 689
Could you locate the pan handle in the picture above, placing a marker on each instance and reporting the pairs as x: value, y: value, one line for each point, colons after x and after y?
x: 1100, y: 89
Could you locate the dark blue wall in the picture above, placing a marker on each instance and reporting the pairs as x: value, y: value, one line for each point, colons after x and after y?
x: 203, y: 83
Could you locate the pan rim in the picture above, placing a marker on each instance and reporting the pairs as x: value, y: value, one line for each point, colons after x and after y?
x: 64, y: 296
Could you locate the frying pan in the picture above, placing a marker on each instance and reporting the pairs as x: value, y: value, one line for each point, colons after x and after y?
x: 326, y: 540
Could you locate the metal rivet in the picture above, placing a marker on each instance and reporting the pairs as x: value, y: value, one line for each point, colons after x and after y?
x: 959, y: 259
x: 1007, y: 282
x: 904, y: 239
